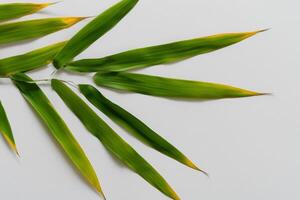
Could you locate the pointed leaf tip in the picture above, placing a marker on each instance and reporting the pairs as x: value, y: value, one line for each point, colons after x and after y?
x: 194, y: 166
x: 263, y: 30
x: 11, y: 144
x: 250, y: 34
x: 5, y: 129
x: 73, y: 20
x: 43, y: 5
x: 249, y: 93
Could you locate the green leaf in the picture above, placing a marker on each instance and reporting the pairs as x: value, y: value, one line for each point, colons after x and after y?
x: 111, y: 140
x: 135, y: 126
x: 32, y: 29
x: 5, y: 129
x: 167, y: 87
x: 59, y: 130
x: 29, y: 61
x: 17, y: 10
x: 93, y: 31
x: 156, y: 55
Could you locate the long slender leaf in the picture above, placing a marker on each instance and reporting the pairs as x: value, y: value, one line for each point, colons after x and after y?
x: 40, y: 103
x: 111, y: 140
x: 167, y: 87
x: 93, y: 31
x: 156, y: 55
x: 5, y: 129
x: 135, y: 126
x: 16, y: 10
x: 29, y: 61
x: 32, y: 29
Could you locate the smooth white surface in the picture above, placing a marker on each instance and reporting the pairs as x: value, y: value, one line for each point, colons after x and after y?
x: 250, y: 146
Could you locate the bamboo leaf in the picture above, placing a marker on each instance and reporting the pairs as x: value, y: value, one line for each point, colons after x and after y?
x: 135, y: 126
x: 16, y: 10
x: 59, y: 130
x: 29, y: 61
x: 6, y: 131
x: 156, y: 55
x: 93, y: 31
x: 167, y: 87
x: 111, y: 140
x: 32, y: 29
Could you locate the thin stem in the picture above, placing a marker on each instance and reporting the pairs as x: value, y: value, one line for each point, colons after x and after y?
x: 48, y: 81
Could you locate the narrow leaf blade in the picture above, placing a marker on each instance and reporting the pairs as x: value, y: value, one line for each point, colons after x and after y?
x: 29, y: 61
x: 157, y: 55
x: 6, y: 131
x: 16, y: 10
x: 135, y: 126
x: 59, y: 130
x: 32, y: 29
x: 111, y: 140
x: 93, y: 31
x: 167, y: 87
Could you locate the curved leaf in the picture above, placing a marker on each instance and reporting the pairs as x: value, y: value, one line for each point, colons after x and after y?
x: 135, y: 126
x: 167, y: 87
x: 111, y: 140
x: 59, y: 130
x: 157, y: 55
x: 32, y: 29
x: 16, y: 10
x: 5, y: 129
x: 29, y: 61
x: 93, y: 31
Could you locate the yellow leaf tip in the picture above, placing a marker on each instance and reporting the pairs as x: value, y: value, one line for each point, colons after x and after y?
x: 12, y: 145
x: 248, y: 93
x: 263, y: 30
x: 99, y: 191
x: 202, y: 171
x: 14, y: 148
x: 73, y: 20
x: 176, y: 197
x: 250, y: 34
x: 172, y: 194
x: 264, y: 94
x: 44, y: 5
x: 101, y: 194
x: 17, y: 152
x: 251, y: 93
x: 190, y: 164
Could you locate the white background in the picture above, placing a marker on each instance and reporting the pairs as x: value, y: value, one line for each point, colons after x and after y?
x: 250, y: 146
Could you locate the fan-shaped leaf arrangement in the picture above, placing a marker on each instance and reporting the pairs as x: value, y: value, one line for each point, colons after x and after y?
x: 111, y: 72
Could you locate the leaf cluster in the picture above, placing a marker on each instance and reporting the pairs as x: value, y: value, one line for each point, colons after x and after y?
x: 112, y: 71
